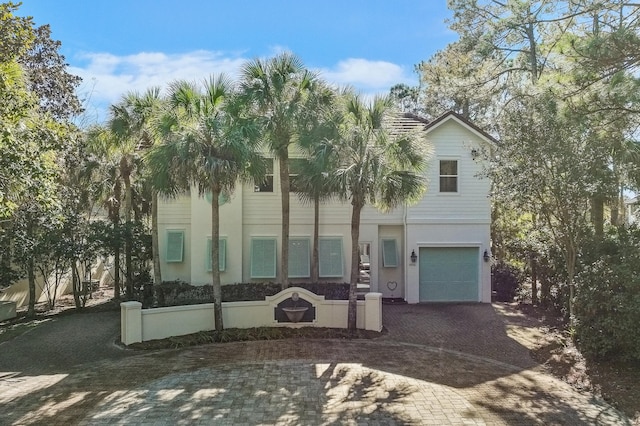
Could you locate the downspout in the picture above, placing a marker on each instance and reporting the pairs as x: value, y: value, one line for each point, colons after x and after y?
x: 406, y: 254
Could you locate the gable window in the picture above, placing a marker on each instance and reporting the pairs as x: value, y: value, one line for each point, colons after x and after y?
x: 448, y: 175
x: 296, y: 167
x: 389, y: 253
x: 222, y: 255
x: 299, y: 257
x: 175, y: 246
x: 330, y: 257
x: 266, y: 185
x: 263, y: 257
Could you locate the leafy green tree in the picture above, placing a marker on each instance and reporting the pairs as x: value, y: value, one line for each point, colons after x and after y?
x: 375, y: 166
x: 542, y: 169
x: 209, y: 143
x: 276, y: 91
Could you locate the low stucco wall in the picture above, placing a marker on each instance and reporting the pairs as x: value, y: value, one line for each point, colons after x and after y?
x: 138, y: 325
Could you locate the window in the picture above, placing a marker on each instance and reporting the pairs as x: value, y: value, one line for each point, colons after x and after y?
x: 222, y: 255
x: 389, y: 253
x: 330, y: 257
x: 296, y: 167
x: 448, y: 176
x: 175, y: 246
x: 266, y: 185
x: 263, y: 257
x: 299, y: 255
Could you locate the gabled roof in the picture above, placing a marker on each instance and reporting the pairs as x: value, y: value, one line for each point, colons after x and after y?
x: 402, y: 122
x: 450, y: 115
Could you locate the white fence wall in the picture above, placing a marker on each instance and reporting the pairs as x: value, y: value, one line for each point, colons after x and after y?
x: 138, y: 325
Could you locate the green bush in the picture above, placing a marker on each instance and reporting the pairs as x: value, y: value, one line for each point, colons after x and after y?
x: 607, y: 303
x: 505, y: 281
x: 176, y: 293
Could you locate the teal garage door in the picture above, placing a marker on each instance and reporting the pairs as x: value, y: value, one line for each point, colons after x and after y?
x: 449, y: 274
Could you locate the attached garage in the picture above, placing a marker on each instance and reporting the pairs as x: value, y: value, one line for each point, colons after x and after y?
x: 449, y: 274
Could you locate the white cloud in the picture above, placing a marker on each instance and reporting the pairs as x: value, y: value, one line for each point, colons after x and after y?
x: 106, y: 77
x: 367, y: 75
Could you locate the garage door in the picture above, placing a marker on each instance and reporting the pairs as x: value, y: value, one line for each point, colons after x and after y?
x: 449, y: 274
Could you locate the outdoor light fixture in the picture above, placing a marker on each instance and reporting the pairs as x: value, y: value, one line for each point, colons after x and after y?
x: 414, y: 257
x: 486, y: 256
x: 474, y: 153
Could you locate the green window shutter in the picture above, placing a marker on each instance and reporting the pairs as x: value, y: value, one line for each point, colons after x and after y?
x: 222, y: 255
x: 175, y: 246
x: 299, y: 258
x: 263, y: 258
x: 330, y: 257
x: 389, y: 253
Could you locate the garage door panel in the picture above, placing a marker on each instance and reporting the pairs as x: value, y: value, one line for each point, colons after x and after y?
x: 448, y: 274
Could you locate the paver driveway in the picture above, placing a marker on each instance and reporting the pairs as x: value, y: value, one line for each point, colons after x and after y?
x: 449, y: 364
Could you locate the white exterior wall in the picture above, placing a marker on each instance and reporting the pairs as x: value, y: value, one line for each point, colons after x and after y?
x: 174, y: 214
x: 439, y: 219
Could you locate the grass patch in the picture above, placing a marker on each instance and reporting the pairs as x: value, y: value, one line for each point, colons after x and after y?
x: 252, y: 334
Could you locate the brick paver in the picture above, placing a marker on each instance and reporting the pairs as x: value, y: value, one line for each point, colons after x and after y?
x: 416, y: 374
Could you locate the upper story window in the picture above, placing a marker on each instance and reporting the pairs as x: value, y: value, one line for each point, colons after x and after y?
x: 296, y: 166
x: 266, y: 185
x: 448, y: 175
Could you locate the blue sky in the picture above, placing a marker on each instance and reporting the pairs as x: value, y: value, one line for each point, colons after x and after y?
x: 118, y: 46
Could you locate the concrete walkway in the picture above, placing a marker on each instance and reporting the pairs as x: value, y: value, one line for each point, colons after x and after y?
x: 437, y: 365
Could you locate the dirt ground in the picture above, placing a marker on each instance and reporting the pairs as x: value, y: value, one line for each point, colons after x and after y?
x: 551, y: 346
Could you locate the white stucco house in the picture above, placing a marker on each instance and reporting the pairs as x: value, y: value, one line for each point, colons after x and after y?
x: 433, y: 251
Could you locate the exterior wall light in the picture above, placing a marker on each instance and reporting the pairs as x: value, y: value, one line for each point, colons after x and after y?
x: 414, y: 257
x: 475, y: 153
x: 486, y: 256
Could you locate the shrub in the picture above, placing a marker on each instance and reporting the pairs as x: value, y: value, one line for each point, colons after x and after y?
x: 505, y: 281
x: 607, y: 304
x: 176, y: 293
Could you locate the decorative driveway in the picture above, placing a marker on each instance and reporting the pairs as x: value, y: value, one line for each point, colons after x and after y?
x: 439, y: 365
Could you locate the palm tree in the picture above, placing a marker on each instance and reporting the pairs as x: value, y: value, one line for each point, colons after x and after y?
x: 312, y: 181
x: 132, y: 121
x: 207, y: 143
x: 107, y: 188
x: 277, y: 90
x: 376, y: 166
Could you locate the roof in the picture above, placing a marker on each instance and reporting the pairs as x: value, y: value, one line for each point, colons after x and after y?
x: 450, y: 115
x: 402, y: 122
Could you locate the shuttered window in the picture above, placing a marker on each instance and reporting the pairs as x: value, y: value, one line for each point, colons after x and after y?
x: 299, y: 258
x: 330, y: 257
x: 389, y: 253
x: 222, y: 255
x: 263, y: 258
x: 175, y: 246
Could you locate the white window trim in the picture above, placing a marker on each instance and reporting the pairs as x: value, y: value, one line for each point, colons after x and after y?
x: 457, y: 176
x: 275, y: 264
x: 308, y: 271
x: 387, y: 263
x: 166, y: 254
x: 339, y: 238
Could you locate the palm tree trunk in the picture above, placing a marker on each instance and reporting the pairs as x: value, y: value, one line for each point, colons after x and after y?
x: 315, y: 275
x: 284, y: 189
x: 215, y: 258
x: 155, y: 246
x: 355, y: 269
x: 128, y: 249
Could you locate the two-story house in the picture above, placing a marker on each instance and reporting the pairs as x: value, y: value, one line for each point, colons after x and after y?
x: 434, y: 251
